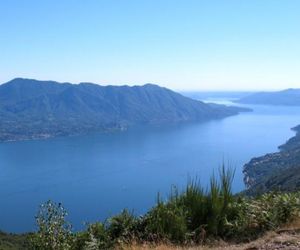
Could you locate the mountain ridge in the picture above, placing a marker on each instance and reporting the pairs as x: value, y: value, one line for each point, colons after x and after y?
x: 31, y: 109
x: 288, y: 97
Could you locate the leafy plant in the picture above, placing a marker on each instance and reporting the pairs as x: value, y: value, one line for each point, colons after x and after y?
x: 188, y: 216
x: 54, y: 232
x: 166, y: 221
x: 123, y: 227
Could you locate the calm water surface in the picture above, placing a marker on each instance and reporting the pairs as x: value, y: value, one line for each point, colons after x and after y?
x: 97, y: 175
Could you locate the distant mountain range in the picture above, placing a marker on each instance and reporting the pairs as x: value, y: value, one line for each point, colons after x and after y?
x: 290, y: 97
x: 31, y: 109
x: 276, y: 171
x: 218, y: 95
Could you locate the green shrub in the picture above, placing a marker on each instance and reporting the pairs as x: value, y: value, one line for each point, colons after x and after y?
x: 194, y: 202
x: 191, y: 215
x: 80, y: 240
x: 95, y: 237
x: 254, y: 216
x: 123, y: 227
x: 166, y: 221
x: 194, y: 213
x: 54, y: 232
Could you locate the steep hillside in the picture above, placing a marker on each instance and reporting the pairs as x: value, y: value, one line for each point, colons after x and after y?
x: 40, y: 109
x: 276, y: 171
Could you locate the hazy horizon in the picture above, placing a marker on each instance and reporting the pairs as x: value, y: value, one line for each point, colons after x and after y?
x: 174, y: 89
x: 183, y: 45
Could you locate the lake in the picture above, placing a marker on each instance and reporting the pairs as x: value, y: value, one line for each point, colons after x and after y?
x: 97, y: 175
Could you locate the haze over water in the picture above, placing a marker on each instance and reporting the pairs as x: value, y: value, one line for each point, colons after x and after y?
x: 97, y: 175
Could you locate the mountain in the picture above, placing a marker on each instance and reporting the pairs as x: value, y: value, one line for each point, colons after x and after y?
x: 32, y: 109
x: 208, y: 95
x: 275, y: 171
x: 289, y: 97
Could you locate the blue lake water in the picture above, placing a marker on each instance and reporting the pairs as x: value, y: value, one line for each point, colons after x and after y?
x: 97, y: 175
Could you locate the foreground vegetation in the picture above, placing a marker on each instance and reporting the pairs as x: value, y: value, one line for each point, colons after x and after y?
x: 14, y: 241
x: 189, y: 217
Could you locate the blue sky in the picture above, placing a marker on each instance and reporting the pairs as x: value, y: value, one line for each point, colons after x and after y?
x: 181, y: 44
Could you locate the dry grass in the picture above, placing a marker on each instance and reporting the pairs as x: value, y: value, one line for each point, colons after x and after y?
x: 286, y: 238
x: 294, y: 225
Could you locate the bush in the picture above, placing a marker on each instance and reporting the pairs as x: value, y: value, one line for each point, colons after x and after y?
x: 123, y: 227
x: 54, y: 232
x: 190, y: 216
x: 269, y: 211
x: 166, y: 222
x: 98, y: 237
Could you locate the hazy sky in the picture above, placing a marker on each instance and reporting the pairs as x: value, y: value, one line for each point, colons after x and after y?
x: 181, y: 44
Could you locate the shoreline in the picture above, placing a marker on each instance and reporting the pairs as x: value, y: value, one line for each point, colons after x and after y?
x: 259, y: 171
